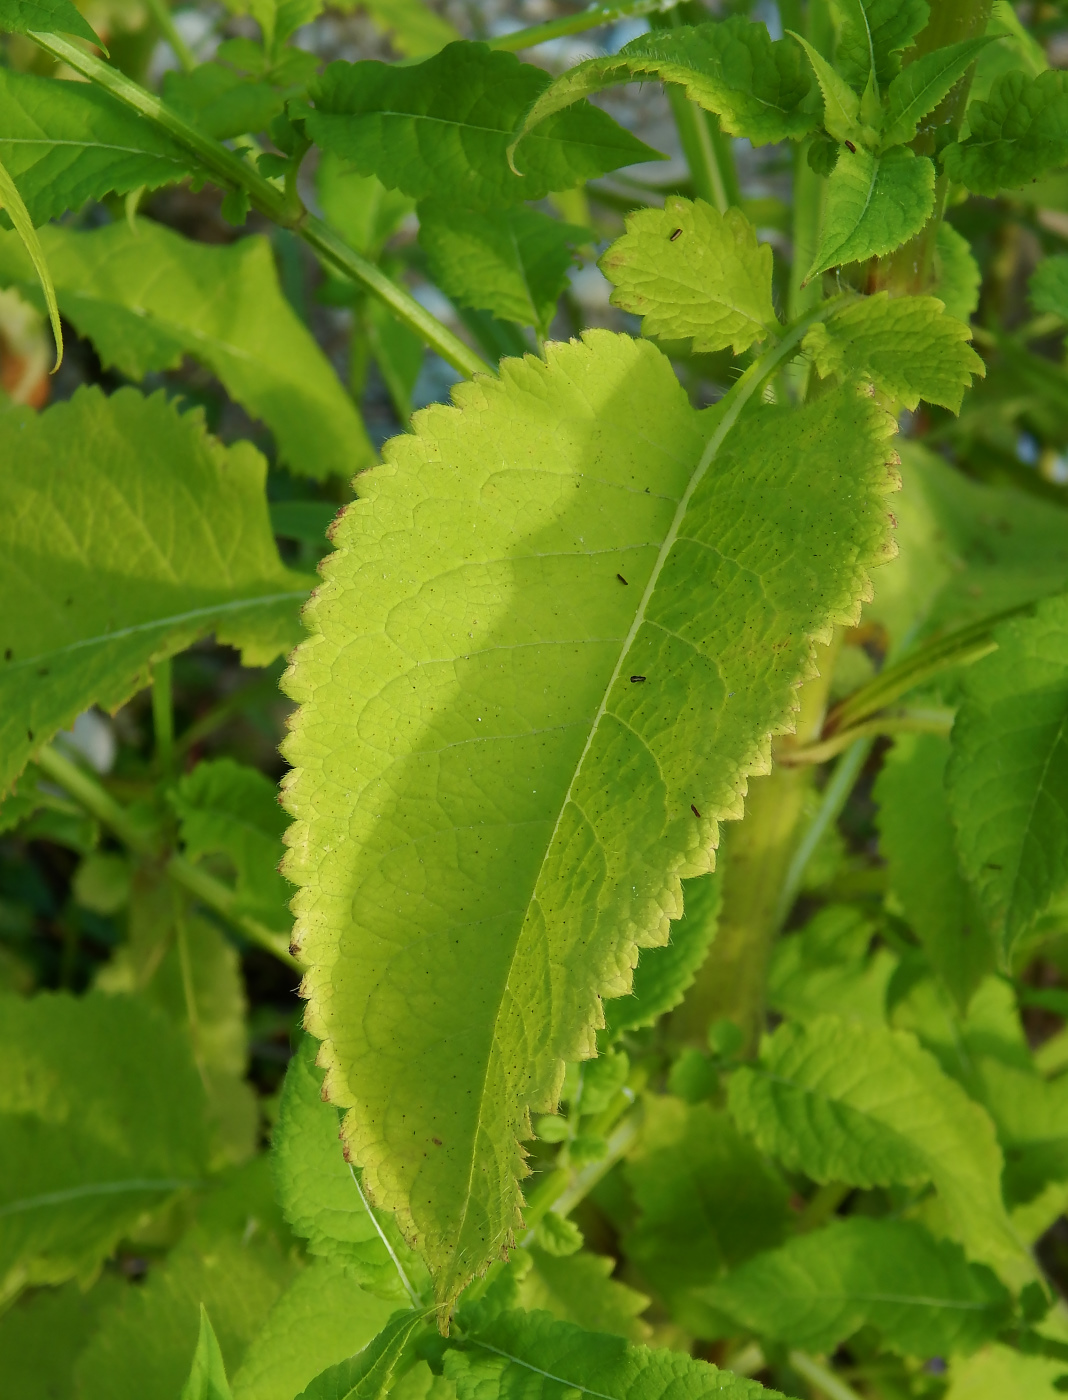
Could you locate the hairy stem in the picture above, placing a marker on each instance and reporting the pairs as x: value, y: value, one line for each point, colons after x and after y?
x: 232, y: 172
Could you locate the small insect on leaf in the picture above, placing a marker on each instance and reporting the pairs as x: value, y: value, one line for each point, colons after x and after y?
x: 694, y: 810
x: 637, y: 680
x: 675, y: 235
x: 851, y: 148
x: 622, y: 579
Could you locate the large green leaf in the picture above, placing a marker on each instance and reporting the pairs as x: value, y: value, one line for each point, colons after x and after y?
x: 758, y: 88
x: 829, y: 966
x: 530, y: 671
x: 664, y: 974
x: 908, y: 347
x: 65, y: 143
x: 957, y: 274
x: 321, y: 1195
x: 706, y: 1201
x: 872, y: 36
x: 126, y: 533
x: 44, y: 17
x: 693, y: 274
x: 511, y: 262
x: 442, y: 128
x: 1008, y: 776
x: 532, y: 1356
x: 101, y: 1119
x: 145, y: 296
x: 1000, y: 1371
x: 369, y: 1374
x: 845, y: 1102
x: 919, y: 1293
x: 322, y: 1318
x: 916, y: 840
x: 43, y: 1334
x: 1017, y: 134
x: 874, y: 204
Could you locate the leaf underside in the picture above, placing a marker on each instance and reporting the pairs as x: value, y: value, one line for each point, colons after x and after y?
x: 491, y: 682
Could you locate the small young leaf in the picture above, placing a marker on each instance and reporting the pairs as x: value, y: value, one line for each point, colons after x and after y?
x: 511, y: 262
x: 146, y: 297
x: 921, y: 86
x: 693, y: 274
x: 516, y: 761
x: 874, y: 204
x: 323, y: 1318
x: 101, y: 1119
x: 758, y: 88
x: 45, y: 17
x: 814, y: 1292
x: 369, y: 1374
x: 226, y: 808
x: 1049, y: 286
x: 916, y: 841
x: 706, y: 1201
x: 442, y: 128
x: 907, y: 346
x: 664, y: 974
x: 957, y: 274
x: 532, y: 1356
x: 1008, y: 776
x: 841, y: 105
x: 844, y: 1102
x: 207, y: 1377
x: 321, y: 1195
x: 126, y: 534
x: 1017, y: 134
x: 65, y: 143
x: 873, y: 35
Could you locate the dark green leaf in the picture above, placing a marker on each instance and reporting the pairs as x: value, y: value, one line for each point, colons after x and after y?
x: 44, y: 17
x: 369, y: 1374
x: 920, y: 86
x: 1017, y: 134
x: 873, y: 35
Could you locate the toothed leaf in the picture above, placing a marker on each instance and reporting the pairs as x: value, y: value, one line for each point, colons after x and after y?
x: 841, y: 105
x: 693, y: 274
x: 759, y: 88
x: 65, y: 143
x: 919, y: 1293
x: 845, y: 1102
x: 1017, y: 134
x: 957, y: 274
x: 873, y: 35
x: 125, y: 534
x: 472, y: 664
x: 1008, y: 775
x: 146, y: 297
x: 442, y: 128
x: 921, y: 86
x: 906, y: 346
x: 44, y: 17
x: 874, y: 204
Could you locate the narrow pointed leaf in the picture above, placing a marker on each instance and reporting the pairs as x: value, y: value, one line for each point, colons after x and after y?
x: 146, y: 297
x: 65, y: 143
x: 841, y: 105
x: 369, y: 1374
x: 207, y: 1377
x: 442, y: 128
x: 500, y: 638
x: 906, y: 346
x: 693, y: 274
x: 126, y: 534
x: 758, y: 88
x: 919, y: 1293
x: 873, y: 35
x: 1008, y: 776
x: 532, y: 1356
x: 1019, y: 133
x: 845, y: 1102
x: 921, y: 86
x: 11, y: 201
x: 874, y: 204
x: 45, y: 17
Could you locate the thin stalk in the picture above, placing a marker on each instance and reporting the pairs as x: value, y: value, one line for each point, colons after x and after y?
x: 232, y: 172
x: 94, y: 798
x: 928, y: 720
x: 821, y: 1376
x: 163, y: 716
x: 161, y: 13
x: 582, y: 1183
x: 839, y: 786
x: 592, y: 17
x: 809, y: 188
x: 706, y: 151
x: 223, y: 901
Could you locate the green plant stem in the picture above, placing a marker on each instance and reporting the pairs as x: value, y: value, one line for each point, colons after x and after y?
x: 933, y: 719
x: 163, y: 716
x: 582, y: 1182
x: 821, y: 1376
x: 592, y: 17
x: 232, y: 172
x: 98, y: 802
x: 706, y: 150
x: 161, y: 13
x: 809, y: 188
